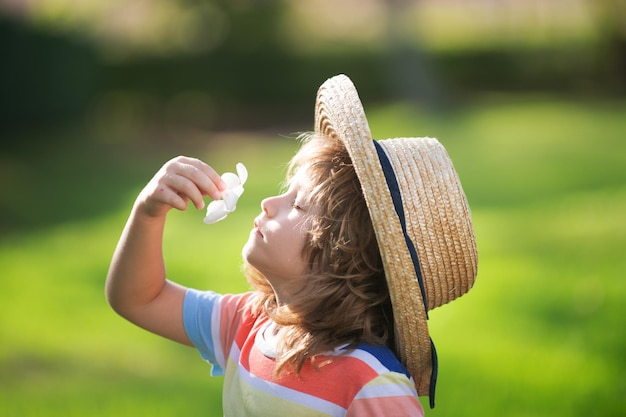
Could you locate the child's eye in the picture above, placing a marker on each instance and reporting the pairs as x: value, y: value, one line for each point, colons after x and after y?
x: 296, y: 205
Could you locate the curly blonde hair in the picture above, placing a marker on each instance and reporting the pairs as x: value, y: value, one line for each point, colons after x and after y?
x: 344, y: 299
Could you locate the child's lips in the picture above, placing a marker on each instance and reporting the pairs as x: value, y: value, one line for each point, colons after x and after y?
x: 257, y: 229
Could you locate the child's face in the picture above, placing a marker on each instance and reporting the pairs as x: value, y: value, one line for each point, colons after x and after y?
x: 275, y: 244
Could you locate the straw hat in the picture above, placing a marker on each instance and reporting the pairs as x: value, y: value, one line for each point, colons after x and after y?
x: 420, y: 216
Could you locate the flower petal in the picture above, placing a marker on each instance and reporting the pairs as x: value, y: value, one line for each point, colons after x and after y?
x: 242, y: 172
x: 215, y: 212
x: 219, y: 209
x: 231, y: 180
x: 230, y: 198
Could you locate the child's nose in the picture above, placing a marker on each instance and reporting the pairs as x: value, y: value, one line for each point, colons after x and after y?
x: 267, y: 205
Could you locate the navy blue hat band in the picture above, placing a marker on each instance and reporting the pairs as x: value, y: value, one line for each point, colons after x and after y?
x: 394, y: 189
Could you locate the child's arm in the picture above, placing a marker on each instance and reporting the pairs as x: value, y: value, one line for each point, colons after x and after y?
x: 136, y: 285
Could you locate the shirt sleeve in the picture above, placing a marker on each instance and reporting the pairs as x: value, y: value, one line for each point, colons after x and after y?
x: 389, y: 394
x: 199, y: 311
x: 211, y: 321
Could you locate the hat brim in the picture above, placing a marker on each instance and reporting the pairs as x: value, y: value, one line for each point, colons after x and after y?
x: 340, y: 114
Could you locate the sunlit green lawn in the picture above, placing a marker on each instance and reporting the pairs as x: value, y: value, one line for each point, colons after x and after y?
x: 542, y: 333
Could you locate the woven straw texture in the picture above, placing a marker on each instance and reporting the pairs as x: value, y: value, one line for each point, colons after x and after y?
x: 437, y: 220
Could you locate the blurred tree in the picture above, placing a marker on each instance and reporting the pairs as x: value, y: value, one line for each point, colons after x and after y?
x: 411, y: 70
x: 44, y: 78
x: 231, y: 57
x: 612, y: 16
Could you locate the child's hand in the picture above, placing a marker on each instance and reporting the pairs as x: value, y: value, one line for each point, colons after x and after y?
x: 179, y: 181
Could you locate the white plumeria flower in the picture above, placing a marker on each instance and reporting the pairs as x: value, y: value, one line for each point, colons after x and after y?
x: 219, y: 209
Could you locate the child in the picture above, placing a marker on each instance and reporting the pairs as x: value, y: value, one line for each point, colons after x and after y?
x: 345, y: 265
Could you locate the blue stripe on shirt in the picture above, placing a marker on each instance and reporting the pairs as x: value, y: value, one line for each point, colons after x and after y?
x: 198, y: 309
x: 386, y: 357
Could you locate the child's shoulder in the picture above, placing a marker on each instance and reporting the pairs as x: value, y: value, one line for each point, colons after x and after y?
x: 230, y: 309
x: 241, y: 301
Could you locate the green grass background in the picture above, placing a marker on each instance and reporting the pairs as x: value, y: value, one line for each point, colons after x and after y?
x: 541, y: 334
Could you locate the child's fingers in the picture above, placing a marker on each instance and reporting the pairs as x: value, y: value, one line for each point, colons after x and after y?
x: 179, y: 181
x: 173, y: 198
x: 203, y: 176
x: 183, y: 187
x: 215, y: 178
x: 157, y: 198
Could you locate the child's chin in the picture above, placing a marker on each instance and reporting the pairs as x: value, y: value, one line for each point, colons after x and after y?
x: 247, y: 252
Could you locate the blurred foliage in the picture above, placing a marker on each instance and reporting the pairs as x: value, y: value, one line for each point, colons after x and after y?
x: 245, y: 63
x: 44, y: 78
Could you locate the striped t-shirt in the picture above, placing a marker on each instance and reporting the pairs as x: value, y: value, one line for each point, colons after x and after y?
x: 369, y: 381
